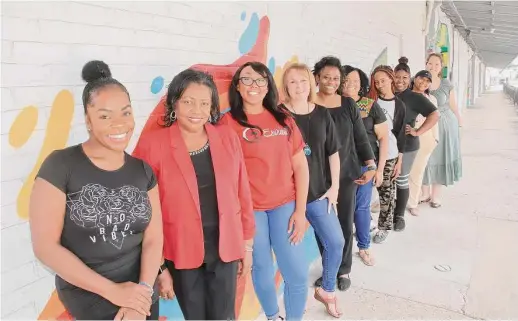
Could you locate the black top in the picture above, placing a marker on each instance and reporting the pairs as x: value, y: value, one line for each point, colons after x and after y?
x: 106, y: 215
x: 415, y: 104
x: 319, y: 132
x: 202, y: 163
x: 372, y: 115
x: 355, y: 147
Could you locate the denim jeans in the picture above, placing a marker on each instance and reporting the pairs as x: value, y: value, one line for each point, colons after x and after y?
x: 327, y: 229
x: 362, y: 213
x: 272, y: 233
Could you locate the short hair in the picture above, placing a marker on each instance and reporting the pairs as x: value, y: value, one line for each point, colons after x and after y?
x: 180, y: 83
x: 312, y: 83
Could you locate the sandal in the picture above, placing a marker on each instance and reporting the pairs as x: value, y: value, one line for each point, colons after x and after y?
x: 435, y: 204
x: 413, y: 211
x: 426, y: 200
x: 327, y: 301
x: 365, y: 256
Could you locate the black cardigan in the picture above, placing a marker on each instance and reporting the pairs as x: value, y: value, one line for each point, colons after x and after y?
x: 355, y: 148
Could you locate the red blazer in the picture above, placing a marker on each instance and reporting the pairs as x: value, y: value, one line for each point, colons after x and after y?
x: 165, y: 151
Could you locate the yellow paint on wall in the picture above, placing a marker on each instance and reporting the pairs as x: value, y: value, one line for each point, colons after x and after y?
x: 56, y: 137
x: 23, y: 126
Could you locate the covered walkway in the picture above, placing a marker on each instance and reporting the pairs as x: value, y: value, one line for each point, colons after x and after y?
x: 475, y: 233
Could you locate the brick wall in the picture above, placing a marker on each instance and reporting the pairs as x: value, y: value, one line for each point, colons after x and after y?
x: 45, y: 45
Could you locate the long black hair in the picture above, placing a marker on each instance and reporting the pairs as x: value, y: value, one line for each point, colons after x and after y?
x: 270, y: 101
x: 330, y: 61
x: 97, y: 75
x: 177, y: 87
x: 364, y: 79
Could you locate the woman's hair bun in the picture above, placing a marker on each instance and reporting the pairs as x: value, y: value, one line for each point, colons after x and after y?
x: 403, y: 60
x: 95, y: 70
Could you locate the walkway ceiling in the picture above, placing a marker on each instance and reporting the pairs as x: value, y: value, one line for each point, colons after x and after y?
x: 489, y: 27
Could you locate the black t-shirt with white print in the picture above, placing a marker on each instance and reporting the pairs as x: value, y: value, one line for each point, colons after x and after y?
x: 106, y: 215
x: 319, y: 133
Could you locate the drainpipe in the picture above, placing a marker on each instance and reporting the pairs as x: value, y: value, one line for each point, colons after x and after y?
x: 430, y: 4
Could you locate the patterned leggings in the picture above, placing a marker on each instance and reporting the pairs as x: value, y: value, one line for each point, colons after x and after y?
x: 387, y: 195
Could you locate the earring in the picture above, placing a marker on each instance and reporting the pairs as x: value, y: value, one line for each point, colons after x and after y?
x: 88, y: 129
x: 172, y: 116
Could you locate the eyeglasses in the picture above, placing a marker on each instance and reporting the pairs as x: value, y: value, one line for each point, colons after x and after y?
x: 260, y: 82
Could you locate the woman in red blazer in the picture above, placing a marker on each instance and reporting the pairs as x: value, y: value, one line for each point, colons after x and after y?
x: 208, y: 217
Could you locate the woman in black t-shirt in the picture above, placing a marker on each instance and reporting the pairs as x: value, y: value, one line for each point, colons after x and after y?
x: 356, y: 86
x: 416, y: 104
x: 94, y: 213
x: 321, y: 150
x: 354, y: 152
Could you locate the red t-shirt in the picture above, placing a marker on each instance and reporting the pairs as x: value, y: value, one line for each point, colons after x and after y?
x: 268, y: 158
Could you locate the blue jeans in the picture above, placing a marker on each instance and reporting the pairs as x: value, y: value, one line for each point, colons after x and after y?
x: 362, y: 213
x: 272, y: 233
x: 328, y: 230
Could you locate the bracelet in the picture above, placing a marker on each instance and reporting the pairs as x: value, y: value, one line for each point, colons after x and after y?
x: 148, y: 286
x: 249, y: 249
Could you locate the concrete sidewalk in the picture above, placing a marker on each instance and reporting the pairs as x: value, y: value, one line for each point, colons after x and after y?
x: 475, y: 233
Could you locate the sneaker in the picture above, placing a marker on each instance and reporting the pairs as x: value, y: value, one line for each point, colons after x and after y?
x: 399, y: 224
x: 380, y: 236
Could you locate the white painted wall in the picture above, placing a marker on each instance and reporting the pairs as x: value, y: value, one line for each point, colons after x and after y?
x: 45, y: 45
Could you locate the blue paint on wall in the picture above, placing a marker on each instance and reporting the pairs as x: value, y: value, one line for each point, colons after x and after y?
x: 271, y: 65
x: 243, y: 16
x: 157, y: 84
x: 249, y: 36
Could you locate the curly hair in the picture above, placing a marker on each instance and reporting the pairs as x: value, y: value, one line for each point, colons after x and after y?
x: 330, y: 61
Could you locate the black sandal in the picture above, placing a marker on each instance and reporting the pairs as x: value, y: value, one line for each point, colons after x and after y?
x: 435, y: 205
x: 426, y: 200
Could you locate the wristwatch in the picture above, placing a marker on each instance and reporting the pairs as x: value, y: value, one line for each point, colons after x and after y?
x: 372, y: 168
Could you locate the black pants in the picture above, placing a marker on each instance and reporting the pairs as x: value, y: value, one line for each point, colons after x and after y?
x: 346, y: 206
x: 207, y: 292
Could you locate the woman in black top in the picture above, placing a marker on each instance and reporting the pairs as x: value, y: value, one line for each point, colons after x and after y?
x: 382, y: 90
x: 321, y: 150
x: 95, y: 214
x: 356, y: 86
x: 355, y: 149
x: 416, y: 104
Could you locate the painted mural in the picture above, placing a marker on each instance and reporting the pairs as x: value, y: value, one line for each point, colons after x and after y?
x: 438, y: 41
x: 252, y: 46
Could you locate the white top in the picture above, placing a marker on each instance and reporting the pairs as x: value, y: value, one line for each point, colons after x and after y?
x: 389, y: 108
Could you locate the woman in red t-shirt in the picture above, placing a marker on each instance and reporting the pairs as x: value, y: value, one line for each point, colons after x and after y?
x: 279, y: 179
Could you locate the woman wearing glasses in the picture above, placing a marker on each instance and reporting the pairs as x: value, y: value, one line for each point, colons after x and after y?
x: 279, y: 180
